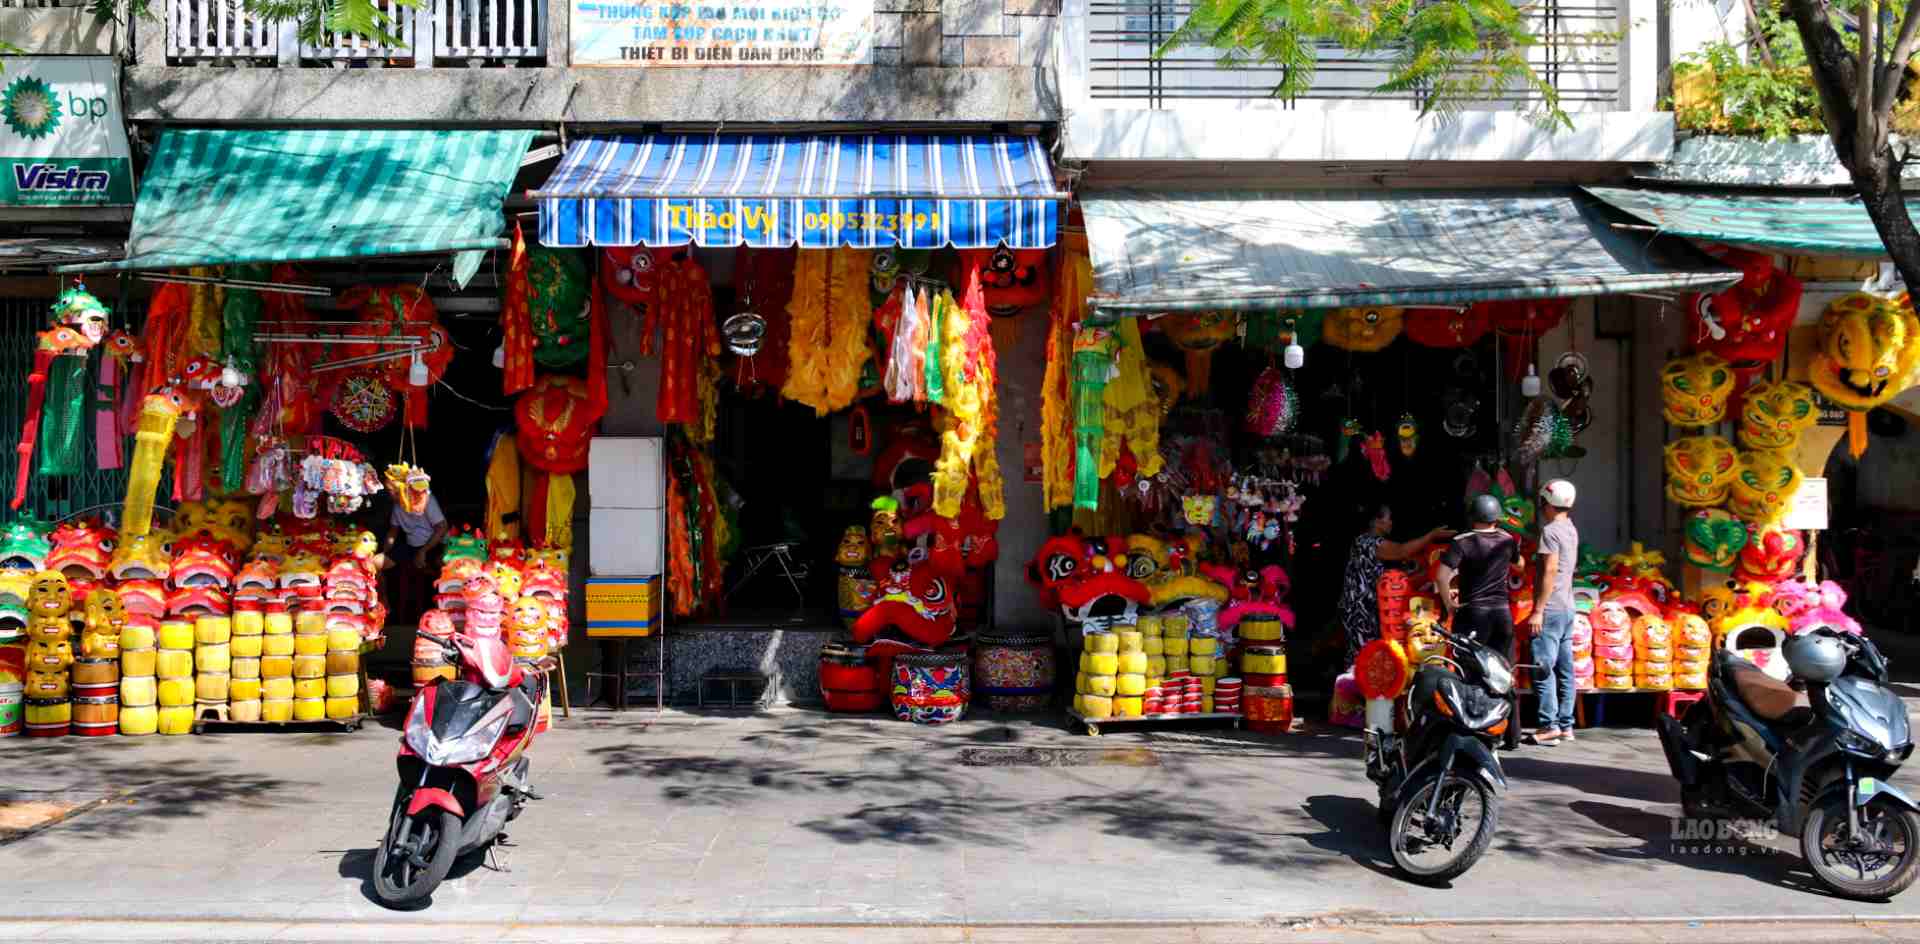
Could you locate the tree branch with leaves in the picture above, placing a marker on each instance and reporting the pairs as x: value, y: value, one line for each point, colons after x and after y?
x: 314, y: 19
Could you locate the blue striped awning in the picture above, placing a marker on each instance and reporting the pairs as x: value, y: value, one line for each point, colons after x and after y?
x: 921, y: 191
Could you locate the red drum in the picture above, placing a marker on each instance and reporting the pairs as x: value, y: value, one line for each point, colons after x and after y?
x: 1268, y: 710
x: 848, y: 681
x: 96, y: 716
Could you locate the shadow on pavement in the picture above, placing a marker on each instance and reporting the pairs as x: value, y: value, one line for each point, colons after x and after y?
x: 1352, y: 829
x: 1734, y: 856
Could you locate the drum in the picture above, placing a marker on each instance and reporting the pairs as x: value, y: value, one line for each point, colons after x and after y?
x: 1016, y: 673
x: 137, y: 636
x: 343, y: 686
x: 276, y: 710
x: 174, y: 692
x: 173, y: 663
x: 139, y: 720
x: 1268, y: 710
x: 272, y: 645
x: 310, y: 645
x: 310, y: 688
x: 342, y: 708
x: 175, y: 720
x: 309, y: 667
x: 247, y: 647
x: 243, y: 689
x: 12, y: 704
x: 425, y: 675
x: 96, y: 690
x: 137, y: 662
x: 307, y: 623
x: 214, y: 657
x: 276, y: 666
x: 343, y: 663
x: 848, y: 682
x: 278, y: 623
x: 138, y: 691
x: 48, y: 717
x: 175, y: 634
x: 212, y: 630
x: 211, y: 687
x: 247, y: 711
x: 930, y: 687
x: 249, y: 622
x: 245, y: 669
x: 1264, y: 660
x: 96, y: 716
x: 309, y: 709
x: 96, y: 671
x: 277, y: 689
x: 1261, y: 629
x: 343, y: 639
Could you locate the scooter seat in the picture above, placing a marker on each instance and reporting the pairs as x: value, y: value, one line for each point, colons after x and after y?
x: 1769, y: 698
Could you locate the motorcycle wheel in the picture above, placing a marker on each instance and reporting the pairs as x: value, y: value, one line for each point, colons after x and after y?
x: 1881, y: 861
x: 415, y: 855
x: 1413, y: 839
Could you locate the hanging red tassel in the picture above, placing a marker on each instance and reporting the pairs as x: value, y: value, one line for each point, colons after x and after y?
x: 597, y: 355
x: 516, y: 321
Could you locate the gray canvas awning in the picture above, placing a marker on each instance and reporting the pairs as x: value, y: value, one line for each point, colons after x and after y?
x: 1163, y: 251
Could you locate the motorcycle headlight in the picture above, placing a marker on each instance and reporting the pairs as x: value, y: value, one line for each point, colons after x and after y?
x: 1855, y: 743
x: 468, y: 747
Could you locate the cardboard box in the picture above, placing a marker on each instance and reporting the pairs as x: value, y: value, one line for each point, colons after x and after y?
x: 623, y: 606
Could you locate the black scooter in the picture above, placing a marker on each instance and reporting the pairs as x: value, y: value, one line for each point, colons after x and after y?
x: 1440, y: 781
x: 1813, y: 757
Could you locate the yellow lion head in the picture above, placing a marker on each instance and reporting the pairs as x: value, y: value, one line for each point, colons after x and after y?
x: 1777, y: 412
x: 1364, y: 329
x: 1700, y: 470
x: 1694, y: 389
x: 1868, y: 349
x: 1765, y: 485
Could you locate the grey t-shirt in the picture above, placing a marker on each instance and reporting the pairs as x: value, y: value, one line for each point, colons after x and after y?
x: 1562, y: 541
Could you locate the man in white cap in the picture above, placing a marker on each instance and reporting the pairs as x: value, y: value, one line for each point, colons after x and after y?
x: 1552, y: 620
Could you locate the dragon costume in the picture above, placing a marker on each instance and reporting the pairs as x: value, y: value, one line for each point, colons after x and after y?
x: 1056, y: 430
x: 831, y: 311
x: 57, y: 391
x: 970, y: 417
x: 1132, y: 441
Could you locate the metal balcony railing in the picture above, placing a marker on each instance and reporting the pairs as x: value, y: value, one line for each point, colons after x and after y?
x: 1578, y: 55
x: 433, y: 33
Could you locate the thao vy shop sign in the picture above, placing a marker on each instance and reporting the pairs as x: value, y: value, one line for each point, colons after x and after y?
x: 744, y: 33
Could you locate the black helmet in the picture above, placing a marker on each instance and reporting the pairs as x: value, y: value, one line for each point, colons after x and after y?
x: 1484, y: 507
x: 1816, y: 656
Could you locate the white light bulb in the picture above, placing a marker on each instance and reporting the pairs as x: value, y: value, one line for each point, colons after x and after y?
x: 1294, y: 356
x: 417, y: 374
x: 230, y: 377
x: 500, y: 357
x: 1530, y: 384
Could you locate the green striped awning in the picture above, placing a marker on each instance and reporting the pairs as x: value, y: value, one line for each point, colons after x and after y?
x: 218, y: 197
x: 1822, y: 224
x: 1163, y: 251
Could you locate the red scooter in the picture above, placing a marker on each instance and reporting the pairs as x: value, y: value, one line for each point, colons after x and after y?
x: 463, y: 769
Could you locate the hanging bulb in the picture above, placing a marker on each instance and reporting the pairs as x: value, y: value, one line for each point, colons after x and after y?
x: 500, y: 356
x: 1530, y: 384
x: 417, y: 373
x: 1295, y: 356
x: 230, y: 375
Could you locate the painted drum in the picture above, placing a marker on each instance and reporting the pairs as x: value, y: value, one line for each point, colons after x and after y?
x: 280, y: 645
x: 309, y: 709
x: 309, y: 666
x: 424, y: 675
x: 340, y: 709
x: 276, y: 689
x: 1264, y: 679
x: 930, y: 688
x: 343, y: 663
x: 310, y: 688
x: 1261, y: 629
x: 848, y: 682
x: 1268, y: 710
x: 243, y: 689
x: 173, y: 663
x: 278, y: 710
x: 175, y: 692
x: 245, y: 669
x: 139, y: 720
x: 310, y: 645
x: 272, y: 666
x: 1015, y: 673
x: 343, y: 686
x: 12, y: 710
x: 1265, y: 660
x: 175, y: 721
x: 96, y: 690
x: 96, y: 671
x: 247, y: 647
x: 247, y: 711
x: 138, y: 691
x: 96, y: 717
x: 1098, y: 641
x: 212, y: 630
x: 48, y: 717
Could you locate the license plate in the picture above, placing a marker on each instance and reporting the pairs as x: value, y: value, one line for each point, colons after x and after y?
x: 1868, y: 786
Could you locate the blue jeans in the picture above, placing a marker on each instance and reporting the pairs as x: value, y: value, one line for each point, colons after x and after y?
x: 1553, y: 680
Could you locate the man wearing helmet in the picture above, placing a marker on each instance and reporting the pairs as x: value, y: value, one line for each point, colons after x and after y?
x: 1473, y: 577
x: 1552, y: 620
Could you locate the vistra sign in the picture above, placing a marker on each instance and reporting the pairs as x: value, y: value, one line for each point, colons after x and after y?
x: 63, y: 136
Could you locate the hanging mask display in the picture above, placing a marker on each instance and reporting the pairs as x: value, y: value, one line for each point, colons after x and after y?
x: 1776, y: 413
x: 557, y: 304
x: 1746, y: 323
x: 1714, y: 539
x: 1408, y: 434
x: 1700, y: 470
x: 1868, y: 349
x: 1272, y: 407
x: 628, y: 273
x: 1764, y: 487
x: 1446, y: 327
x: 1364, y: 330
x: 1011, y: 280
x: 1694, y: 390
x: 1374, y: 447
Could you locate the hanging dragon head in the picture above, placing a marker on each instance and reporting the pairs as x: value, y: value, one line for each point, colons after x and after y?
x: 507, y: 577
x: 81, y: 548
x: 1194, y: 330
x: 1747, y: 322
x: 142, y: 556
x: 1765, y: 486
x: 272, y: 545
x: 1775, y: 415
x: 912, y: 606
x: 50, y: 595
x: 1771, y: 554
x: 78, y: 309
x: 1694, y: 389
x: 457, y: 572
x: 1011, y: 280
x: 257, y: 574
x: 1366, y: 329
x: 24, y: 545
x: 1637, y: 562
x: 1700, y: 470
x: 1868, y: 349
x: 202, y: 560
x: 1714, y: 539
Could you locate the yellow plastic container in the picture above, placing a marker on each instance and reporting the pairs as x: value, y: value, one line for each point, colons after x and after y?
x: 175, y: 720
x: 342, y: 708
x: 137, y: 662
x: 138, y: 691
x: 1102, y: 642
x: 247, y: 647
x: 175, y: 634
x: 213, y: 657
x: 1129, y: 684
x: 174, y: 692
x: 272, y: 667
x: 277, y: 689
x: 248, y: 710
x: 249, y: 623
x: 310, y: 667
x: 243, y: 689
x: 137, y: 637
x: 212, y: 630
x: 343, y: 686
x: 137, y: 720
x: 343, y: 640
x: 309, y: 709
x: 309, y: 645
x: 1175, y: 645
x: 271, y: 645
x: 277, y: 709
x: 1101, y: 684
x: 211, y: 686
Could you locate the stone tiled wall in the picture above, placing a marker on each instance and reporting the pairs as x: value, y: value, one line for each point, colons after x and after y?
x: 963, y: 32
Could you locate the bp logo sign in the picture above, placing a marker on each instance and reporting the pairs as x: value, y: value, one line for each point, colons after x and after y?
x: 30, y: 108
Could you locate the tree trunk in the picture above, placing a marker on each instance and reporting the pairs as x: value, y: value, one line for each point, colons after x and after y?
x: 1880, y: 194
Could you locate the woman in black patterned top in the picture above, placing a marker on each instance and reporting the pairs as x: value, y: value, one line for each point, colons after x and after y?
x: 1359, y: 599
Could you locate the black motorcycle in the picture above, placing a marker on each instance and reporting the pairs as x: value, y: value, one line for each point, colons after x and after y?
x: 1440, y: 781
x: 1812, y: 753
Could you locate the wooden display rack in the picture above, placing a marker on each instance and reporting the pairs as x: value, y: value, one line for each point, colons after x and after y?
x: 1093, y: 725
